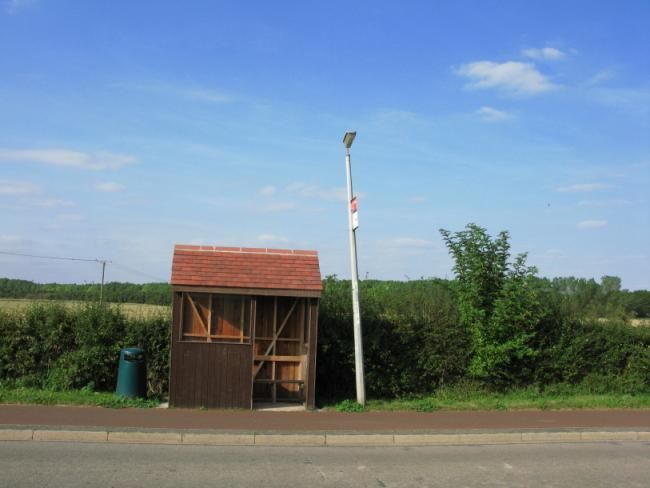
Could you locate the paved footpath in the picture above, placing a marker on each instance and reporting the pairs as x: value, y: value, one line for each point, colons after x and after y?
x: 186, y: 426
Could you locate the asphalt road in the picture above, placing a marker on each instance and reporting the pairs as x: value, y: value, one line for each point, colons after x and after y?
x: 35, y: 464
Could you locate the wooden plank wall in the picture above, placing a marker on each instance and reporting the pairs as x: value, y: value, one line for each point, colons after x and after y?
x: 211, y: 375
x: 218, y: 375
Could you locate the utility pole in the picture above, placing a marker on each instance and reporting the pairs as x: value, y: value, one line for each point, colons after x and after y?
x: 101, y: 289
x: 103, y: 261
x: 353, y: 224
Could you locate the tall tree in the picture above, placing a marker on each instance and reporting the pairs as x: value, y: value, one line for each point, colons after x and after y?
x: 498, y: 302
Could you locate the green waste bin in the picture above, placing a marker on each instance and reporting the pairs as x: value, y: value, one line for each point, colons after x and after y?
x: 132, y: 373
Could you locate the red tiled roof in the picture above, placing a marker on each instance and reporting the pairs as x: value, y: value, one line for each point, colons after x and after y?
x: 241, y: 267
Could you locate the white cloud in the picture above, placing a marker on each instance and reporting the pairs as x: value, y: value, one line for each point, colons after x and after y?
x: 602, y: 76
x: 14, y: 5
x: 27, y: 193
x: 410, y: 242
x: 604, y: 203
x: 51, y: 202
x: 548, y: 53
x: 582, y: 187
x: 271, y: 238
x: 635, y: 100
x: 489, y: 114
x: 512, y: 76
x: 110, y: 187
x: 193, y: 93
x: 8, y: 187
x: 9, y: 239
x: 203, y: 95
x: 591, y: 224
x: 418, y: 199
x: 68, y: 158
x: 70, y: 217
x: 267, y: 190
x: 62, y: 221
x: 313, y: 191
x: 277, y: 207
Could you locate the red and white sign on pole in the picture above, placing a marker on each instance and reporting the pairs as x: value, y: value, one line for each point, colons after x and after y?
x: 355, y: 214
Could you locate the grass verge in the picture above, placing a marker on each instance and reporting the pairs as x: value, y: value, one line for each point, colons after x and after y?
x: 454, y: 399
x: 32, y: 396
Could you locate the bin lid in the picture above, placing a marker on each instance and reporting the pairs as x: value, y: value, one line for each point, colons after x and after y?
x: 132, y: 354
x: 132, y: 350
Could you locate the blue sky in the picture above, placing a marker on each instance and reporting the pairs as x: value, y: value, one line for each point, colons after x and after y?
x: 126, y: 127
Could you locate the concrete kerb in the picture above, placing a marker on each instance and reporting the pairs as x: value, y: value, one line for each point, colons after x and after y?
x: 319, y: 439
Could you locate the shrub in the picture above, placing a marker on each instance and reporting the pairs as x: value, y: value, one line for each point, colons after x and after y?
x: 411, y: 337
x: 498, y: 302
x: 153, y: 335
x: 62, y: 348
x: 589, y: 351
x: 414, y: 343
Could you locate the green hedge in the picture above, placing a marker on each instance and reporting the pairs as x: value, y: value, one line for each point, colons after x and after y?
x: 413, y: 345
x: 411, y: 338
x: 59, y: 347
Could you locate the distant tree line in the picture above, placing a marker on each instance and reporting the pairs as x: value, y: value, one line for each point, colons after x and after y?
x: 578, y: 296
x: 114, y: 292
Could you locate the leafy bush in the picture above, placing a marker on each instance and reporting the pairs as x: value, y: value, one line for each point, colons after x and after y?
x: 498, y: 302
x: 411, y: 337
x: 153, y: 335
x: 55, y: 347
x: 350, y: 407
x: 591, y: 352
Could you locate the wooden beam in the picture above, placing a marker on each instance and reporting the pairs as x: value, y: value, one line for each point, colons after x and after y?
x: 279, y: 339
x: 294, y: 382
x: 311, y: 367
x: 275, y: 337
x: 210, y: 319
x: 275, y: 323
x: 273, y: 357
x: 215, y: 336
x: 182, y: 319
x: 241, y: 322
x: 274, y: 386
x: 233, y: 337
x: 306, y: 348
x: 253, y: 326
x: 247, y: 291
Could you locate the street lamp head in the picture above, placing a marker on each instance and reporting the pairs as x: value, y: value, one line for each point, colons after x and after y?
x: 348, y: 138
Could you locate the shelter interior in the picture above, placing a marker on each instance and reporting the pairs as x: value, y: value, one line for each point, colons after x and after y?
x: 280, y: 330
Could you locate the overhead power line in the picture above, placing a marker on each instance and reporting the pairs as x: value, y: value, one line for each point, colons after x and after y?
x: 54, y: 257
x: 135, y: 271
x: 60, y: 258
x: 103, y: 262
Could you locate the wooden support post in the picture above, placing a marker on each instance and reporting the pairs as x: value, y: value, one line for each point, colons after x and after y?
x: 241, y: 323
x: 274, y: 387
x: 252, y: 336
x: 210, y: 320
x: 182, y: 318
x: 311, y: 364
x: 301, y: 344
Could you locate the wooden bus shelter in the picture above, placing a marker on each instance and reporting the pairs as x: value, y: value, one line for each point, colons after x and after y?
x: 245, y: 324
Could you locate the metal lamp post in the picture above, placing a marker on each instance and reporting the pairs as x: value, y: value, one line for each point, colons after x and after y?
x: 353, y: 224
